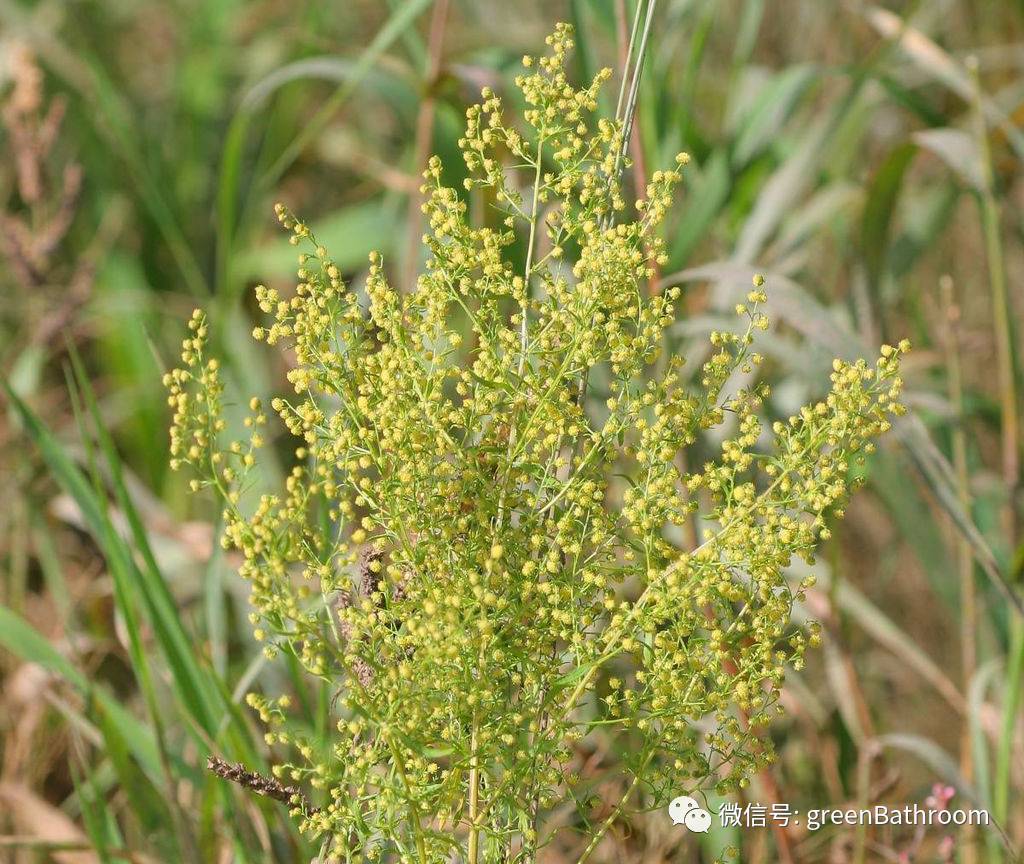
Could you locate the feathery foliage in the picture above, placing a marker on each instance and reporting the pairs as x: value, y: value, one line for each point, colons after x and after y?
x: 448, y: 553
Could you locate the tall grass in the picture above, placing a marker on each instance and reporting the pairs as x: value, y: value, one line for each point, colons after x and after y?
x: 850, y: 151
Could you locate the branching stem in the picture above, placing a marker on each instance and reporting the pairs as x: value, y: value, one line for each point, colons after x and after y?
x: 523, y: 330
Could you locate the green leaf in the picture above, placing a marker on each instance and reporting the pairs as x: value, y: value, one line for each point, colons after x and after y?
x: 910, y: 99
x: 129, y: 578
x: 95, y: 817
x: 403, y: 17
x: 774, y: 106
x: 958, y: 150
x: 907, y: 507
x: 883, y: 194
x: 230, y: 221
x: 24, y: 641
x: 718, y: 838
x: 146, y: 802
x: 196, y: 684
x: 704, y: 200
x: 349, y: 235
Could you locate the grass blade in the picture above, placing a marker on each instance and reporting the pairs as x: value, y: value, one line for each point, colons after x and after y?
x: 403, y: 17
x: 24, y: 641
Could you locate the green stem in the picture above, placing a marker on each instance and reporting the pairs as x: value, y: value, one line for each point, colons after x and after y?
x: 1000, y: 320
x: 965, y: 560
x: 616, y: 812
x: 529, y: 251
x: 473, y: 852
x: 1011, y: 704
x: 1010, y: 441
x: 414, y: 819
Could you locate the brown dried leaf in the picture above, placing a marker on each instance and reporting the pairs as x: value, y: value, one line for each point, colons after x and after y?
x: 34, y: 816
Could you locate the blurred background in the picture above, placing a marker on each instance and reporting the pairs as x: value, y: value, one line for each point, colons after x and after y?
x: 866, y: 158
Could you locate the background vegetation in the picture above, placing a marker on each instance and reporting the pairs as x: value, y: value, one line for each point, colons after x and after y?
x: 866, y: 157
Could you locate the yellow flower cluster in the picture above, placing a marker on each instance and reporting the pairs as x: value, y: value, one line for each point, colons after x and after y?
x: 451, y: 551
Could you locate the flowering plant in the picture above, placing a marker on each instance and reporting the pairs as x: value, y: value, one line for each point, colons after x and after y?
x: 450, y: 551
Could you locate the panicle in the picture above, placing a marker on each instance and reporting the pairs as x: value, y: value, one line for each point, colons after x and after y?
x: 452, y: 551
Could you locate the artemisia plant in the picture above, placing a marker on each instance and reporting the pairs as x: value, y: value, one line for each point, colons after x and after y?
x: 452, y: 553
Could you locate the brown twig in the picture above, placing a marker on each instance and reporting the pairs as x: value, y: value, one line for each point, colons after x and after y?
x: 268, y: 787
x: 48, y: 237
x: 80, y: 282
x: 370, y: 577
x: 28, y: 242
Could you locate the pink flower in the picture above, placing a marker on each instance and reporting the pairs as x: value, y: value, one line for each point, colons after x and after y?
x: 940, y: 797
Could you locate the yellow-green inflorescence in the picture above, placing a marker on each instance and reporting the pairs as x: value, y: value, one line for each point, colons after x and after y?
x: 448, y: 553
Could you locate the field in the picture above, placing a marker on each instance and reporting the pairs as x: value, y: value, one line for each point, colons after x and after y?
x: 866, y: 158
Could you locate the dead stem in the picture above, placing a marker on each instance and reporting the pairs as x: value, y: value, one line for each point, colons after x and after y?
x: 268, y: 787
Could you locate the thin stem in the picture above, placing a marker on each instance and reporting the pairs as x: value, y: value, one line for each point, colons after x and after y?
x: 414, y: 819
x: 1000, y: 319
x: 615, y: 634
x: 523, y: 332
x: 626, y: 61
x: 1009, y: 438
x: 424, y: 131
x: 965, y: 561
x: 624, y: 112
x: 474, y: 765
x: 530, y: 843
x: 634, y: 86
x: 1011, y: 704
x: 596, y: 839
x: 473, y: 852
x: 626, y: 107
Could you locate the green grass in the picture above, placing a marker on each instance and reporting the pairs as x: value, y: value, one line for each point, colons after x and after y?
x: 847, y: 154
